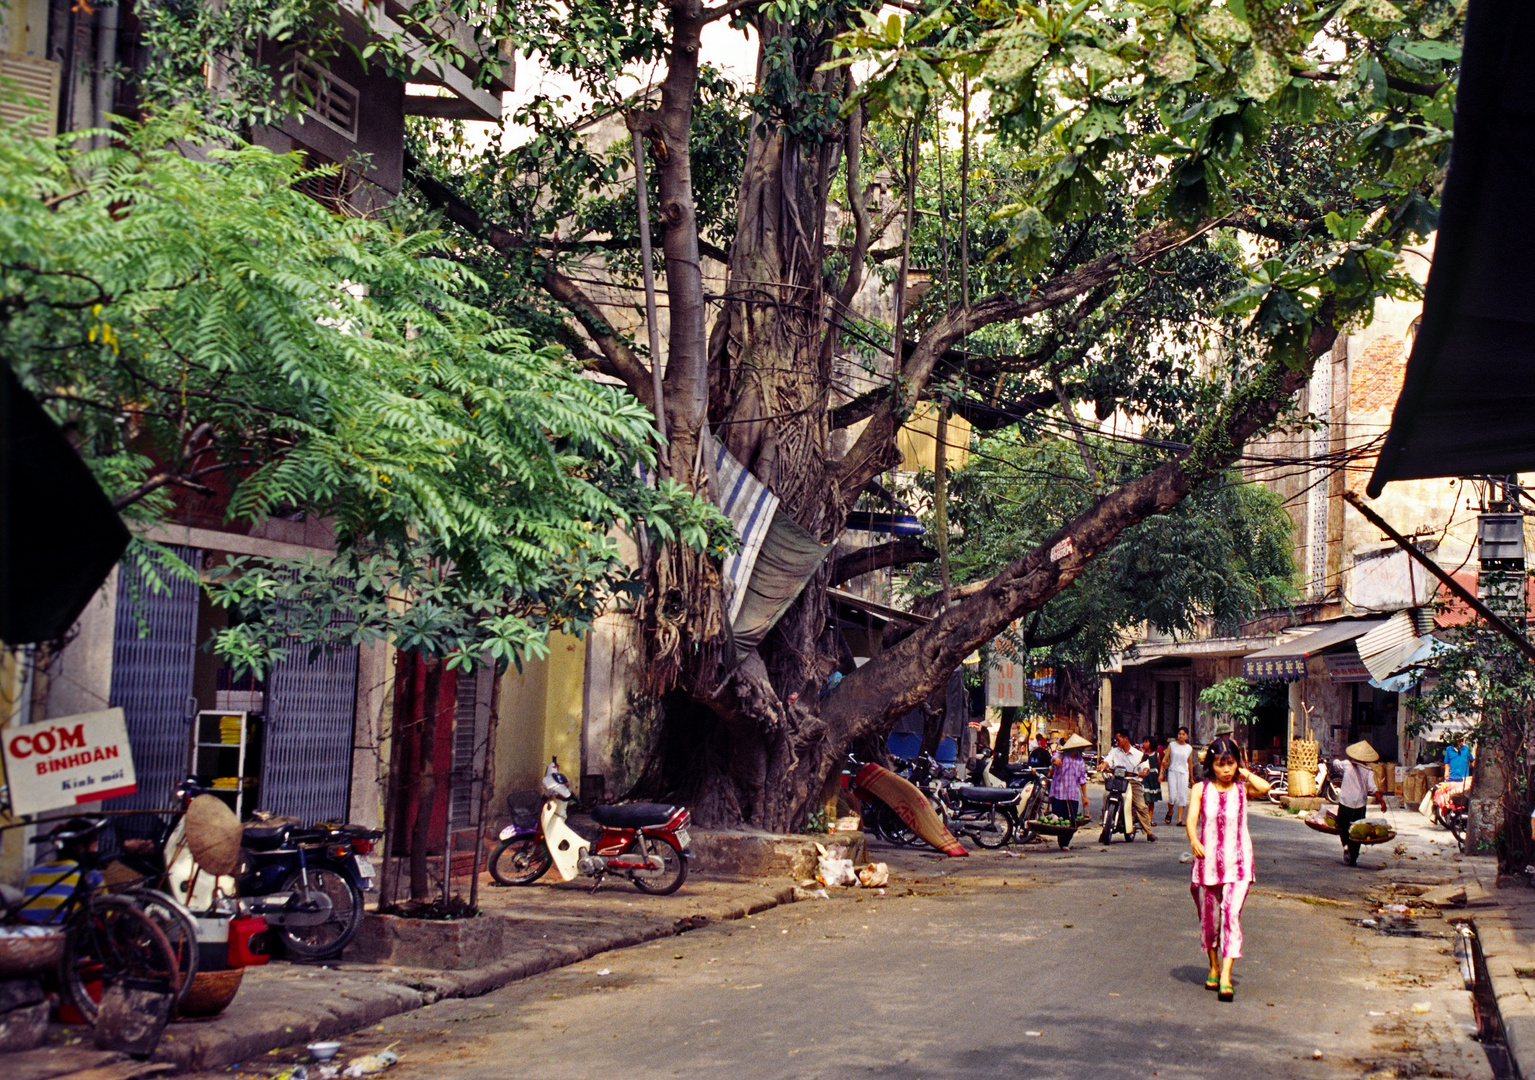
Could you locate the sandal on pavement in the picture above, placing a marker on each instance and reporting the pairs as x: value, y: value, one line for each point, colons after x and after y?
x: 1226, y: 992
x: 1213, y: 982
x: 1150, y: 839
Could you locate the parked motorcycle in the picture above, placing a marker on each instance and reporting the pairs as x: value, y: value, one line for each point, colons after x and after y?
x: 308, y: 883
x: 1116, y: 806
x: 988, y: 815
x: 1452, y: 808
x: 646, y: 842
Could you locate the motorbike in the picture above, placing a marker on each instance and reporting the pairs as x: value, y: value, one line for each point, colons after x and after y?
x: 1452, y: 808
x: 307, y: 883
x: 988, y: 815
x: 646, y: 842
x: 1116, y: 806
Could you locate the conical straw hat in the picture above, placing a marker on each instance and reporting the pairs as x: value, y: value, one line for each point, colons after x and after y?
x: 213, y: 835
x: 1076, y: 742
x: 1362, y: 752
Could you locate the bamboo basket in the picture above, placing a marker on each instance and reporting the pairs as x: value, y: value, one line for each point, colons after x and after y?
x: 1302, y: 783
x: 1303, y: 755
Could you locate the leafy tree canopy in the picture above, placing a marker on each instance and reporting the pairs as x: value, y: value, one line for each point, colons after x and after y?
x: 199, y: 324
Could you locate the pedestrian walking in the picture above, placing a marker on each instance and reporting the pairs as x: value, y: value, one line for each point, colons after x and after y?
x: 1152, y: 786
x: 1068, y: 780
x: 1223, y: 858
x: 1354, y: 793
x: 1126, y: 756
x: 1175, y: 774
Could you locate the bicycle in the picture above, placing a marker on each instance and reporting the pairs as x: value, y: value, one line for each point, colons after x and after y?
x: 108, y: 938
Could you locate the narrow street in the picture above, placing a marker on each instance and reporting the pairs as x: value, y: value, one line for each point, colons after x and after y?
x: 1077, y: 964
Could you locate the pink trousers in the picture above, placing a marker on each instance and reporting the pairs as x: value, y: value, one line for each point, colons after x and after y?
x: 1220, y: 916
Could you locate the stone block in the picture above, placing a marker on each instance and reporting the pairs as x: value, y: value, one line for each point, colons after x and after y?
x: 446, y: 944
x: 24, y: 1028
x: 767, y: 855
x: 1295, y: 802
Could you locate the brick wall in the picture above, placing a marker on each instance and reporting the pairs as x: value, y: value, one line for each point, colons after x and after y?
x: 1375, y: 378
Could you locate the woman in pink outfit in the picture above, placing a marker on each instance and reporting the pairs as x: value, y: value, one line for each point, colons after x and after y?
x: 1223, y: 857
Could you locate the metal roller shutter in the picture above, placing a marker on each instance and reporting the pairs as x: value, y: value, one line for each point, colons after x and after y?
x: 307, y: 771
x: 152, y: 683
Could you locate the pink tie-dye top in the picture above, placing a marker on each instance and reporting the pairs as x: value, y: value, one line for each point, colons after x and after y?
x: 1222, y: 831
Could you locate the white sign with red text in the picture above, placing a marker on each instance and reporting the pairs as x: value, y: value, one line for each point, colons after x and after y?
x: 67, y: 761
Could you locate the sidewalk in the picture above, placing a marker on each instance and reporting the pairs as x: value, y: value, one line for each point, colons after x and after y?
x: 549, y: 926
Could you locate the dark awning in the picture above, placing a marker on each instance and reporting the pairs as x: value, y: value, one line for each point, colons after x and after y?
x: 59, y: 536
x: 1287, y: 660
x: 1467, y: 405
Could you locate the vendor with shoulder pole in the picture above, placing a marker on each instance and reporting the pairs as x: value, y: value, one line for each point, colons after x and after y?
x: 1068, y: 780
x: 1355, y: 791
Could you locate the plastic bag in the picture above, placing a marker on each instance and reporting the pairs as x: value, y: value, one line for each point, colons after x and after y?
x: 370, y: 1064
x: 835, y: 872
x: 874, y: 875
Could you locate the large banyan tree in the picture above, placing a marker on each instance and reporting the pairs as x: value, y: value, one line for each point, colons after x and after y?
x: 1168, y: 208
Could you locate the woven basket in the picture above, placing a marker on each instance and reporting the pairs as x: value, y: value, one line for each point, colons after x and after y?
x: 1302, y: 783
x: 210, y: 993
x: 1303, y: 756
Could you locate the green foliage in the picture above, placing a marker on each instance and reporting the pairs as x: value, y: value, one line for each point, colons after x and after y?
x: 1232, y: 700
x: 1222, y: 555
x: 1187, y: 110
x: 200, y: 325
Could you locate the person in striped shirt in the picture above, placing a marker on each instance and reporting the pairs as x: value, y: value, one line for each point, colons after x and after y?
x: 1223, y: 857
x: 1068, y: 780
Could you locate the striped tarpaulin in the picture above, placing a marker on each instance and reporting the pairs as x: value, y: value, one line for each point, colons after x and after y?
x: 750, y: 506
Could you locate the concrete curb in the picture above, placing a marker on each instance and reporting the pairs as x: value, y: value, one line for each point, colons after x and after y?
x: 357, y: 999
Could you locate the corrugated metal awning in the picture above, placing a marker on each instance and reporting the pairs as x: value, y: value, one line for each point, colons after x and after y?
x: 1287, y: 660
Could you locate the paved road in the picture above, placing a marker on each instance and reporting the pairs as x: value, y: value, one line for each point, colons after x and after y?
x: 1054, y: 965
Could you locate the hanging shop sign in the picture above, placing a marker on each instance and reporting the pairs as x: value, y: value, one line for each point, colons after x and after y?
x: 1004, y: 684
x: 67, y: 761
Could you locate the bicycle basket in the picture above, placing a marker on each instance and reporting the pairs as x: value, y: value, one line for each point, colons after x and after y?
x: 522, y: 808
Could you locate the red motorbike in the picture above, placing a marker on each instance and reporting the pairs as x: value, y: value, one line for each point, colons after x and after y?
x: 646, y: 842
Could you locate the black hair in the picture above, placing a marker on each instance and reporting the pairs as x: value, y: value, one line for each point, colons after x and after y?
x: 1120, y: 732
x: 1223, y: 746
x: 1183, y: 731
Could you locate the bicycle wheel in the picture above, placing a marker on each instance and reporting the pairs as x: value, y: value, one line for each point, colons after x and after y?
x: 180, y: 930
x: 109, y: 939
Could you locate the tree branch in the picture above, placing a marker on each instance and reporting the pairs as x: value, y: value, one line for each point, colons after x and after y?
x: 904, y: 674
x: 875, y: 449
x: 615, y: 349
x: 865, y: 560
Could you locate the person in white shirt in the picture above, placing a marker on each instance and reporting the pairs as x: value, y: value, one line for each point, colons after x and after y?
x: 1355, y: 791
x: 1136, y: 766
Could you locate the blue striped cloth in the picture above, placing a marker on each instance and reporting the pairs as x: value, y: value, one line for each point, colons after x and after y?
x: 750, y: 506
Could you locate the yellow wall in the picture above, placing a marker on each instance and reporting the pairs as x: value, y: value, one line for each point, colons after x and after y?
x: 918, y: 439
x: 539, y: 717
x: 562, y: 704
